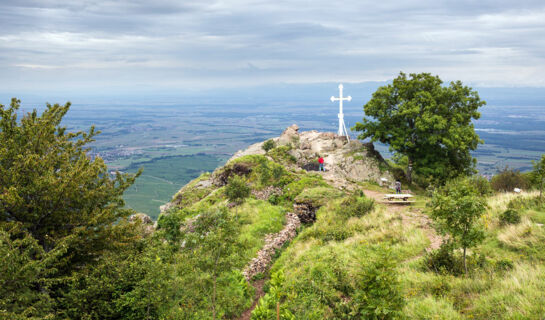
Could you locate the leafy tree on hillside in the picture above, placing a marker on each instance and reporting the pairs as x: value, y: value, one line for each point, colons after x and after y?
x: 54, y: 196
x: 539, y: 175
x: 428, y: 123
x: 236, y: 189
x: 457, y: 208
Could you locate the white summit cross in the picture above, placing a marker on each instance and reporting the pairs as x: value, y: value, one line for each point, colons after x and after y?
x: 342, y: 128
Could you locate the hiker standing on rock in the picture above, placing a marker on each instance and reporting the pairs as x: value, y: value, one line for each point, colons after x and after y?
x: 398, y: 186
x: 321, y: 164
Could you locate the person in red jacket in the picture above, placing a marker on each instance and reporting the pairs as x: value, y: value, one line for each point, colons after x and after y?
x: 321, y: 164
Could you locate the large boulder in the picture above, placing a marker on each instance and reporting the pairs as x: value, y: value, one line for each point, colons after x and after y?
x: 289, y: 136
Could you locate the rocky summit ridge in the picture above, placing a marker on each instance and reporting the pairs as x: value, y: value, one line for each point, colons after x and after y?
x: 346, y: 162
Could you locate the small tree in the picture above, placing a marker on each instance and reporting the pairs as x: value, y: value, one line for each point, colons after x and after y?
x: 237, y: 189
x: 539, y: 175
x: 268, y: 145
x: 457, y: 208
x: 50, y: 185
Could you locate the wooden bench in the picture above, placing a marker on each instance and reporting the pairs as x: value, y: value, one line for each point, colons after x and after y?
x: 397, y: 196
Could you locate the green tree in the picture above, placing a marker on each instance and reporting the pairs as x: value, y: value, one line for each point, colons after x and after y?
x: 67, y: 209
x: 428, y: 123
x: 236, y: 189
x: 457, y: 207
x: 539, y: 175
x: 23, y: 267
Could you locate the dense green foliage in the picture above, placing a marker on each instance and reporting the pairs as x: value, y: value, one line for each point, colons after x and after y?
x: 236, y: 190
x: 457, y: 208
x: 508, y: 179
x: 510, y: 216
x: 428, y: 123
x: 356, y: 205
x: 268, y: 145
x: 60, y: 211
x: 539, y: 175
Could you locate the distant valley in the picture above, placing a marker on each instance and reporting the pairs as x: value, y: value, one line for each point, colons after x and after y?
x: 175, y: 142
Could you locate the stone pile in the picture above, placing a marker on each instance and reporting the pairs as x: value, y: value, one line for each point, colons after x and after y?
x: 273, y: 242
x: 267, y: 192
x: 306, y: 212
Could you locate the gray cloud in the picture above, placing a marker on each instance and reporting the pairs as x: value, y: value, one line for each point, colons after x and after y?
x: 98, y: 44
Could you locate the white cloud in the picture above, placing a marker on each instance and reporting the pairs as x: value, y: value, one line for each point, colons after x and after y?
x: 241, y: 42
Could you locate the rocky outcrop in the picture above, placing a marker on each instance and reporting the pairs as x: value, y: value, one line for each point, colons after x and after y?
x: 354, y: 160
x: 273, y: 242
x: 289, y: 136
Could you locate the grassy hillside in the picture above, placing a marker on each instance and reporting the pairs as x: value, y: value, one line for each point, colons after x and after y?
x: 360, y: 258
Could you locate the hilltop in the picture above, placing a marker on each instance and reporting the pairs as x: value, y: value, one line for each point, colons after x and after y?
x: 313, y: 242
x: 346, y: 162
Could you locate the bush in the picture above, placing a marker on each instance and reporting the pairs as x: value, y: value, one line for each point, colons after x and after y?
x: 377, y: 294
x: 443, y: 260
x: 294, y: 188
x: 356, y: 205
x: 237, y: 189
x: 510, y: 216
x: 482, y: 185
x: 281, y: 154
x: 521, y: 203
x: 268, y: 145
x: 318, y: 196
x: 170, y: 224
x: 509, y: 179
x: 504, y: 265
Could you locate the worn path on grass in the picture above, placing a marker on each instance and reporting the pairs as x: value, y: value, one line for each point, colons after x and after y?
x: 260, y: 264
x: 409, y: 215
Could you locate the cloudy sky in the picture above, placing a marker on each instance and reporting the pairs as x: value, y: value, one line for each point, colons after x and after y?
x: 113, y: 45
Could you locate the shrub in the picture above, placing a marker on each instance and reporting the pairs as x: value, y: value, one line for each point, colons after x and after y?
x: 377, y: 294
x: 509, y: 179
x: 318, y: 196
x: 266, y: 308
x: 170, y: 224
x: 440, y: 286
x: 281, y: 154
x: 510, y: 216
x: 504, y: 265
x: 356, y: 205
x: 443, y: 260
x: 237, y: 189
x: 294, y: 188
x: 481, y: 184
x: 268, y: 145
